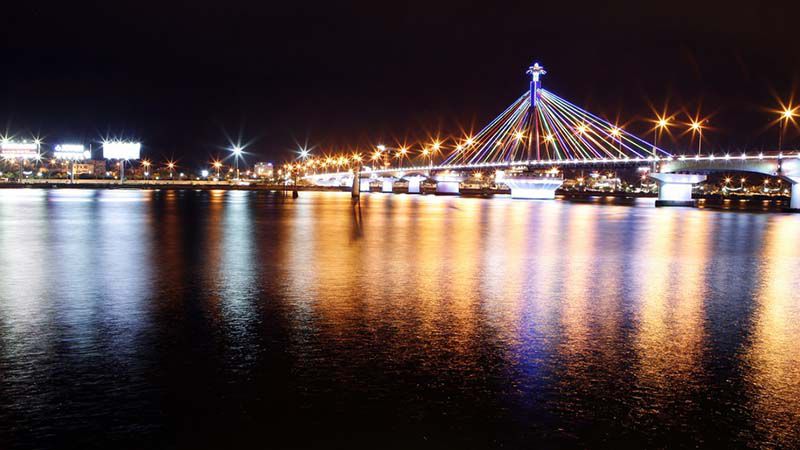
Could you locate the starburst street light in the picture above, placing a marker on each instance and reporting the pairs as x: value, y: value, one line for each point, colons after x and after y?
x: 429, y: 154
x: 237, y: 151
x: 171, y: 167
x: 217, y: 165
x: 662, y: 123
x: 400, y: 155
x: 697, y: 127
x: 146, y: 164
x: 616, y: 133
x: 787, y: 114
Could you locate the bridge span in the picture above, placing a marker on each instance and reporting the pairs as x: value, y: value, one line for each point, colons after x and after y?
x: 530, y: 144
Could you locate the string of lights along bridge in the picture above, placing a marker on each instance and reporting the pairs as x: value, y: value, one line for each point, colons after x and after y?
x: 529, y: 144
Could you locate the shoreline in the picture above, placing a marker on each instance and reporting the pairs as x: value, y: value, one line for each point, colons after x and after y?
x: 710, y: 200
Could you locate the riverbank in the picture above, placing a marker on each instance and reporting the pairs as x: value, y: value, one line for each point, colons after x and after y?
x: 153, y: 184
x: 710, y: 201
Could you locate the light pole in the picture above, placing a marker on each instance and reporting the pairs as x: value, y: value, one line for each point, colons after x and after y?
x: 146, y: 165
x: 786, y: 115
x: 171, y: 168
x: 237, y: 151
x: 304, y: 154
x: 384, y: 155
x: 697, y: 127
x: 376, y: 156
x: 218, y: 166
x: 661, y: 124
x: 616, y: 132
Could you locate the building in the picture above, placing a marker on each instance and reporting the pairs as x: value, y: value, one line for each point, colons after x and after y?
x: 83, y: 168
x: 263, y: 170
x: 93, y: 168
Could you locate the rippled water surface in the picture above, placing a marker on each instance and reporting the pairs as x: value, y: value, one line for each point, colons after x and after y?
x: 180, y: 319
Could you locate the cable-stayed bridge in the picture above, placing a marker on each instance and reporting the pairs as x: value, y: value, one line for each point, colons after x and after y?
x: 530, y: 143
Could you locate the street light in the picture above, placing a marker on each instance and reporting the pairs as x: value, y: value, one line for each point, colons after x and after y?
x: 429, y: 154
x: 146, y: 165
x: 697, y: 127
x: 787, y: 114
x: 616, y: 133
x: 662, y: 123
x: 218, y: 166
x: 171, y: 168
x: 401, y: 154
x: 237, y: 151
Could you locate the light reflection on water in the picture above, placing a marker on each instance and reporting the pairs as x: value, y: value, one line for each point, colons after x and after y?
x: 186, y: 318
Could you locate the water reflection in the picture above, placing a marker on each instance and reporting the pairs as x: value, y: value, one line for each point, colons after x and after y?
x: 220, y: 314
x: 772, y: 358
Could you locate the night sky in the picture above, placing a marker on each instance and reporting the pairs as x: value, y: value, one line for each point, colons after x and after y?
x: 182, y: 77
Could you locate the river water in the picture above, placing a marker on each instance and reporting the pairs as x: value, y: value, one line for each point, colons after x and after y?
x: 182, y: 319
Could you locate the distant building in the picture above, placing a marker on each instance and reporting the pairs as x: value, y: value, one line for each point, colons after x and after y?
x: 263, y: 170
x: 83, y: 168
x: 95, y: 168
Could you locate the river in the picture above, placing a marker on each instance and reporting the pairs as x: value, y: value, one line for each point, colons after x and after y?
x: 184, y: 319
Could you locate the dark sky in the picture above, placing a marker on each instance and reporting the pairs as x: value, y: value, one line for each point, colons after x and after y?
x: 180, y: 75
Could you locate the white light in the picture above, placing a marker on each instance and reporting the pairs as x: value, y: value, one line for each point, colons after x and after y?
x: 203, y: 173
x: 24, y: 150
x: 18, y: 146
x: 121, y: 150
x: 75, y: 152
x: 237, y: 150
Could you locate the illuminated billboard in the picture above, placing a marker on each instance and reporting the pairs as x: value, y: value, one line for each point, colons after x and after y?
x: 74, y: 152
x: 16, y: 150
x: 121, y: 150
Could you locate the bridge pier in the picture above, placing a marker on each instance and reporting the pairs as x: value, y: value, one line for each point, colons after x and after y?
x: 364, y: 184
x: 414, y: 185
x: 675, y: 189
x: 387, y: 185
x: 447, y: 187
x: 794, y: 202
x: 531, y: 187
x: 448, y: 183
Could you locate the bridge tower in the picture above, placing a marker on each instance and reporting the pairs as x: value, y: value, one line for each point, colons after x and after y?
x: 530, y: 185
x: 535, y: 71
